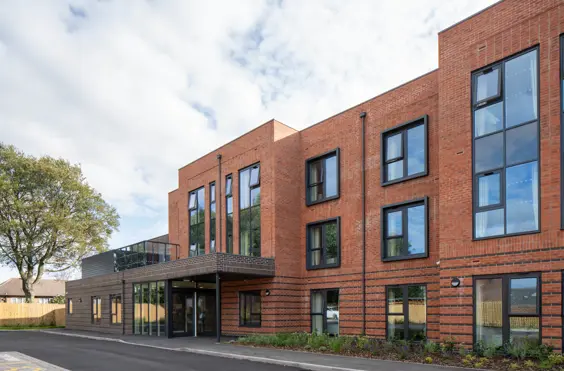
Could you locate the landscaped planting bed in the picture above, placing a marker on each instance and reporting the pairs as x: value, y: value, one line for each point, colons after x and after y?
x: 526, y: 355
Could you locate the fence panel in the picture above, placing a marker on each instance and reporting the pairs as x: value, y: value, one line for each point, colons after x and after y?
x: 27, y: 314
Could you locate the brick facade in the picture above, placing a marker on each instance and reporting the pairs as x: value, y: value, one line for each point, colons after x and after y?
x: 444, y: 95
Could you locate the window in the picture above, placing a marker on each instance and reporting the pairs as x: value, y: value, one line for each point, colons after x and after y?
x: 506, y: 309
x: 69, y: 306
x: 249, y: 211
x: 96, y: 310
x: 404, y: 230
x: 43, y: 300
x: 406, y: 312
x: 561, y: 131
x: 17, y: 300
x: 149, y: 309
x: 506, y: 147
x: 249, y: 308
x: 229, y: 211
x: 322, y: 178
x: 404, y: 150
x: 115, y: 309
x: 325, y: 311
x: 197, y: 215
x: 323, y: 244
x: 212, y: 217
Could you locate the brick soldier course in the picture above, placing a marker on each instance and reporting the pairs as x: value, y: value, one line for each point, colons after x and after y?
x: 280, y: 274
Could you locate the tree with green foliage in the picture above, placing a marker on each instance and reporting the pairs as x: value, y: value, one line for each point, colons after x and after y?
x: 59, y: 299
x: 50, y: 218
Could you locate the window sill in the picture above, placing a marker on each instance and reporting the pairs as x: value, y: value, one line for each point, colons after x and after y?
x: 409, y: 257
x: 318, y: 267
x: 405, y: 179
x: 505, y: 235
x: 311, y: 203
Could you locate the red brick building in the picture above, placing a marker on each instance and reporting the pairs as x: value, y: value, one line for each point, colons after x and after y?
x: 432, y: 210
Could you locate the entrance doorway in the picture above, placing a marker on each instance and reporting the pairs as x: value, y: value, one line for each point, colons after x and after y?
x: 193, y: 312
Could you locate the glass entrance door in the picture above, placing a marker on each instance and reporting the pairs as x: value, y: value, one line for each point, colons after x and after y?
x: 183, y: 313
x: 206, y: 313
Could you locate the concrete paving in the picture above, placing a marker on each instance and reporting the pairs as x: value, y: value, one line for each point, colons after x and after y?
x: 15, y: 361
x: 301, y: 360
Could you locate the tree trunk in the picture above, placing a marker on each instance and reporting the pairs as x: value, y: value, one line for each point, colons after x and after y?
x: 27, y: 287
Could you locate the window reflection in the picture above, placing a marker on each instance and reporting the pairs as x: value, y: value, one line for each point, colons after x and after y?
x: 522, y: 198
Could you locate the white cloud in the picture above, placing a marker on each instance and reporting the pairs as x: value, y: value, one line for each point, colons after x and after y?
x: 135, y: 90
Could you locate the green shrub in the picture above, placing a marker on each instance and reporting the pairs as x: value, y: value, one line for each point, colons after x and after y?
x: 322, y: 349
x: 432, y: 347
x: 449, y: 344
x: 514, y: 366
x: 478, y: 365
x: 428, y: 360
x: 530, y: 363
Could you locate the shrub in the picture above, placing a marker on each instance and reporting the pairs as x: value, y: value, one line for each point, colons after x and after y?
x: 449, y: 344
x: 514, y: 366
x: 322, y: 349
x: 432, y: 347
x: 478, y: 365
x: 428, y: 360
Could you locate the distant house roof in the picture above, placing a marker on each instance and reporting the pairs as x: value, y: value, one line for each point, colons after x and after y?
x: 13, y: 287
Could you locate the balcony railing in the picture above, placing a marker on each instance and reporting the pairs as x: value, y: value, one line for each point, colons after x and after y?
x: 144, y: 253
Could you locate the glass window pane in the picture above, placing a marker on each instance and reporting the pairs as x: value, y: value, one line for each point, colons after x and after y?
x: 244, y: 191
x: 522, y: 198
x: 316, y: 192
x: 161, y: 314
x: 230, y: 205
x: 255, y: 196
x: 521, y: 144
x: 315, y: 172
x: 255, y: 175
x: 137, y: 308
x: 153, y: 308
x: 201, y: 200
x: 416, y: 225
x: 417, y: 312
x: 315, y: 237
x: 488, y: 119
x: 315, y: 258
x: 212, y: 193
x: 489, y: 223
x: 521, y: 89
x: 228, y: 186
x: 487, y: 85
x: 331, y: 244
x: 394, y: 170
x: 416, y: 150
x: 255, y: 231
x: 317, y: 324
x: 489, y: 190
x: 316, y: 302
x: 488, y: 153
x: 523, y: 293
x: 396, y: 330
x: 489, y: 313
x: 394, y: 146
x: 395, y: 300
x: 394, y: 247
x: 524, y: 330
x: 394, y: 223
x: 331, y: 176
x: 332, y: 314
x: 192, y: 203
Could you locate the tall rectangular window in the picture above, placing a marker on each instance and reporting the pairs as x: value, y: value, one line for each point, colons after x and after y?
x: 323, y: 244
x: 212, y: 217
x: 250, y: 308
x: 506, y: 147
x: 406, y: 312
x: 229, y: 212
x: 115, y: 309
x: 69, y: 306
x: 322, y: 177
x: 404, y: 151
x: 149, y: 308
x: 562, y: 132
x: 507, y: 309
x: 197, y: 221
x: 249, y: 211
x: 96, y: 307
x: 404, y: 230
x: 325, y: 311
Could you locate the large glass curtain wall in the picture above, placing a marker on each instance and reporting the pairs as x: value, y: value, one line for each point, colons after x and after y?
x: 149, y: 310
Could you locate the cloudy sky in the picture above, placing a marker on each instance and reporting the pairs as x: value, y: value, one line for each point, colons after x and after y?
x: 135, y: 90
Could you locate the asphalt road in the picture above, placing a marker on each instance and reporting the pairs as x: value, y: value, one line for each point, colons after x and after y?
x: 84, y: 354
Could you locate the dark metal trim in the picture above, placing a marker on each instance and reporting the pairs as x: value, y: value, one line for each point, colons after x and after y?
x: 363, y: 191
x: 218, y: 205
x: 308, y: 244
x: 405, y: 295
x: 227, y: 196
x: 218, y: 308
x: 561, y: 140
x: 210, y: 203
x: 323, y: 313
x: 253, y: 293
x: 202, y: 224
x: 337, y: 153
x: 383, y: 224
x: 403, y: 128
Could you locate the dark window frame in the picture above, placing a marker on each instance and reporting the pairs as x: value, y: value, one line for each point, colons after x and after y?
x: 323, y: 313
x: 506, y: 301
x: 500, y: 64
x: 114, y: 311
x: 251, y: 207
x: 403, y: 128
x: 212, y: 220
x: 228, y: 197
x: 334, y: 152
x: 242, y: 304
x: 69, y: 306
x: 405, y: 313
x: 562, y: 137
x: 384, y: 224
x: 323, y: 265
x: 96, y: 315
x: 200, y: 225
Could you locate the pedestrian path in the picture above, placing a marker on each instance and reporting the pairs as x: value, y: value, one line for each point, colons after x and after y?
x: 15, y: 361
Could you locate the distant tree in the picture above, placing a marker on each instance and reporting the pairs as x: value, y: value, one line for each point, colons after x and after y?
x: 50, y: 218
x: 59, y: 299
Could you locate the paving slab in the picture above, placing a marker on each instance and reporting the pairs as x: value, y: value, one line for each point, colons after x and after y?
x: 16, y: 361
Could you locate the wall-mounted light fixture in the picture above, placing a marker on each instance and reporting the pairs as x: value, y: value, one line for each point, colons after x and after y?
x: 267, y: 292
x: 455, y: 282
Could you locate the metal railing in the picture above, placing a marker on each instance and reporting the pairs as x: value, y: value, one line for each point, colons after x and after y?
x: 144, y: 253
